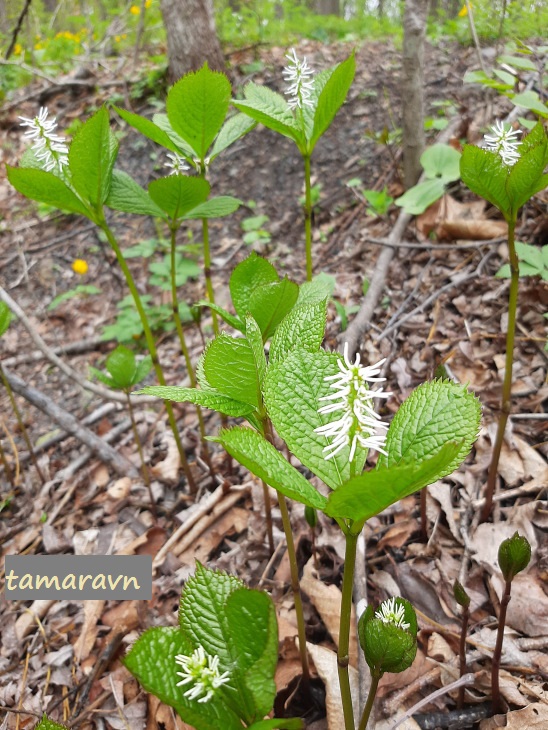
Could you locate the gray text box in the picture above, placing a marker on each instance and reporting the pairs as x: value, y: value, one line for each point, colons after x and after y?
x: 78, y: 577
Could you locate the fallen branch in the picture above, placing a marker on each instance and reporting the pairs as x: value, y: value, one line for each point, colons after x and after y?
x: 71, y: 425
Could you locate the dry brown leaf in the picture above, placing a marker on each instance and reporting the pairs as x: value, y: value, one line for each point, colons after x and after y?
x: 399, y: 534
x: 124, y: 614
x: 327, y: 602
x: 233, y: 521
x: 528, y: 607
x: 451, y: 220
x: 487, y: 538
x: 86, y: 639
x: 325, y: 662
x: 509, y: 687
x: 168, y: 469
x: 532, y: 717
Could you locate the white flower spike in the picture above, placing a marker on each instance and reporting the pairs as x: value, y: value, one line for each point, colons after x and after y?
x: 297, y: 74
x: 202, y: 670
x: 49, y: 148
x: 357, y: 422
x: 177, y: 164
x: 389, y: 613
x: 503, y: 142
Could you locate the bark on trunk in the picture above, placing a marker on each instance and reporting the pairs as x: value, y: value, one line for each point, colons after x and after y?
x: 191, y: 36
x: 414, y: 26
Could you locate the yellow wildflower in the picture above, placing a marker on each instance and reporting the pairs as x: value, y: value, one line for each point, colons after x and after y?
x: 117, y: 38
x: 463, y: 12
x: 80, y: 266
x: 134, y: 10
x: 148, y: 3
x: 38, y: 46
x: 17, y: 49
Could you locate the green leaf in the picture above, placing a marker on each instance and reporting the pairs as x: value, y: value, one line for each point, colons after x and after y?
x: 262, y: 459
x: 197, y: 106
x: 270, y: 303
x: 122, y: 366
x: 525, y: 174
x: 152, y: 661
x: 269, y: 108
x: 92, y: 155
x: 303, y: 328
x: 80, y: 290
x: 486, y: 175
x: 321, y: 287
x: 253, y: 336
x: 229, y: 366
x: 230, y: 319
x: 521, y: 62
x: 368, y: 494
x: 332, y: 97
x: 480, y: 77
x: 531, y: 255
x: 292, y: 391
x: 434, y: 414
x: 530, y: 100
x: 5, y: 318
x: 441, y: 161
x: 47, y: 724
x: 148, y: 129
x: 253, y: 631
x: 211, y: 399
x: 232, y: 130
x: 418, y: 198
x: 182, y: 147
x: 129, y: 197
x: 215, y: 207
x: 45, y: 187
x: 246, y: 277
x: 178, y: 194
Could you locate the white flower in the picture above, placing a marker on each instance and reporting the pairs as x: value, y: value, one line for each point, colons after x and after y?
x: 389, y: 613
x: 177, y: 164
x: 503, y: 142
x: 300, y: 89
x: 358, y: 422
x: 202, y: 670
x: 49, y: 148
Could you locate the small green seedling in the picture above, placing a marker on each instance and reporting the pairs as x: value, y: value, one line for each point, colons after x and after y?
x: 388, y: 638
x: 441, y: 167
x: 216, y: 669
x: 533, y: 261
x: 514, y: 556
x: 82, y: 290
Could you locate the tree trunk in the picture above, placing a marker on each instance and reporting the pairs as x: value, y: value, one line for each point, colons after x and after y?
x: 191, y: 36
x: 414, y: 26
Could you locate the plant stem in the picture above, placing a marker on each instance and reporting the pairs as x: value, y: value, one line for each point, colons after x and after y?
x: 268, y: 517
x: 308, y: 217
x: 22, y: 427
x: 506, y: 400
x: 144, y: 469
x: 370, y: 699
x: 495, y: 666
x: 150, y: 345
x: 184, y: 347
x: 7, y: 468
x: 462, y: 653
x: 207, y: 273
x: 296, y: 587
x: 344, y: 629
x: 294, y: 570
x: 424, y: 530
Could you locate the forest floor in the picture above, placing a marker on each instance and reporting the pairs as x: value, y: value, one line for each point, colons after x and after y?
x: 441, y: 304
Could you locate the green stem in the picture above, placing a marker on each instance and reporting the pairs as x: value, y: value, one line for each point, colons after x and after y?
x: 370, y: 699
x: 207, y: 273
x: 343, y: 658
x: 22, y: 427
x: 144, y: 470
x: 7, y: 468
x: 268, y: 517
x: 184, y: 347
x: 103, y: 225
x: 308, y: 217
x: 506, y: 400
x: 296, y: 588
x: 497, y: 653
x: 294, y: 571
